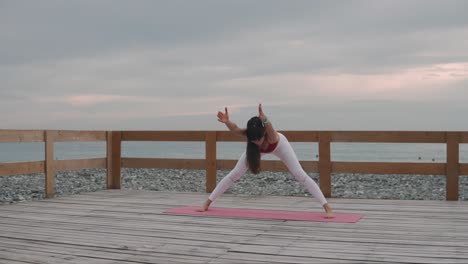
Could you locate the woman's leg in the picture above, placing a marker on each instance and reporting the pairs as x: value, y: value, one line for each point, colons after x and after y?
x: 234, y: 175
x: 285, y: 152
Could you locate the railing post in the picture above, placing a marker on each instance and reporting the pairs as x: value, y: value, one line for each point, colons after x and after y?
x: 49, y: 136
x: 325, y: 162
x: 109, y: 159
x: 114, y: 155
x: 452, y: 169
x: 210, y: 152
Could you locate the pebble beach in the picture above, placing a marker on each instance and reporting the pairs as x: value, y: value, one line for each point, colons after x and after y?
x: 20, y: 188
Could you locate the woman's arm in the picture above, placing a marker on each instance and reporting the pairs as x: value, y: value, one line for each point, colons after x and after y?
x: 270, y: 131
x: 224, y: 118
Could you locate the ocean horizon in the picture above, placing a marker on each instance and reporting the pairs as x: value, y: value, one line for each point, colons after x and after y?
x: 372, y: 152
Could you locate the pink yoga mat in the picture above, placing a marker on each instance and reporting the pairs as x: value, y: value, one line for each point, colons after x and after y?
x: 266, y: 214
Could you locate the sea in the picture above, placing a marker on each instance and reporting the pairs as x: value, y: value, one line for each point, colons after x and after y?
x: 371, y: 152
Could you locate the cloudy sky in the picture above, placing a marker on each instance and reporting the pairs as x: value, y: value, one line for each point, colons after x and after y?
x: 171, y: 65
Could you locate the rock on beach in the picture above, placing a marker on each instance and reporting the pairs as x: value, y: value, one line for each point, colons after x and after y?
x: 20, y: 188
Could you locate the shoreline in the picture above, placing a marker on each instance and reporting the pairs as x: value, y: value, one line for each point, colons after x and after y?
x: 21, y: 188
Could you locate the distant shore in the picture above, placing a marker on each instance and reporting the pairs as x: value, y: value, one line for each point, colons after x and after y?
x: 21, y: 188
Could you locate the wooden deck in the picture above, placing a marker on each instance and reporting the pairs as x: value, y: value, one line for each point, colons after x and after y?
x: 118, y: 226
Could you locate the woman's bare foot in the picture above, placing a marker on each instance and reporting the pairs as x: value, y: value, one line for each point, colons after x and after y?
x: 328, y: 211
x: 205, y: 206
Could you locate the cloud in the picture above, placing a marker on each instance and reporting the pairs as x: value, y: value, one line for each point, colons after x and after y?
x: 170, y: 60
x: 415, y: 84
x: 85, y: 100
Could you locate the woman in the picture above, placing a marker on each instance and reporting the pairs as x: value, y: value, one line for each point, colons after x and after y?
x: 262, y: 139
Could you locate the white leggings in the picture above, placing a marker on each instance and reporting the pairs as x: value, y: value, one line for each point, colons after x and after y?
x: 285, y: 153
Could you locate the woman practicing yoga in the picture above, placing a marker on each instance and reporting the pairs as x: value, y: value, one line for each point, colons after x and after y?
x: 262, y: 139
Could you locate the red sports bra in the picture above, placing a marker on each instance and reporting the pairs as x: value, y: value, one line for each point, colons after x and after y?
x: 270, y: 148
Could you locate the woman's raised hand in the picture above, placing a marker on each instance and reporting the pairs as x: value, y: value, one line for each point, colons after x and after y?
x: 261, y: 115
x: 223, y: 117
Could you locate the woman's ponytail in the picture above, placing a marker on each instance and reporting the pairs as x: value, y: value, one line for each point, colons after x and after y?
x: 253, y: 157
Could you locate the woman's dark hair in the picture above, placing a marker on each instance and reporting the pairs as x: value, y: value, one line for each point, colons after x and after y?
x: 255, y: 131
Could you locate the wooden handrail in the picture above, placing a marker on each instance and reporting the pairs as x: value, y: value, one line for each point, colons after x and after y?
x: 114, y: 162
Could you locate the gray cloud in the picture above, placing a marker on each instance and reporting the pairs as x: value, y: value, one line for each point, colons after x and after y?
x: 162, y: 53
x: 51, y: 29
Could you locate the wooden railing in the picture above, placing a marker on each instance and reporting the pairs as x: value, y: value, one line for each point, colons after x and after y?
x: 49, y: 166
x: 114, y: 161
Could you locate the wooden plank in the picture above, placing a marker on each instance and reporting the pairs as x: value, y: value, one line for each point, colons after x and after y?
x: 124, y: 226
x: 50, y: 169
x: 116, y: 159
x: 388, y: 136
x: 270, y: 165
x: 463, y: 137
x: 228, y: 136
x: 325, y: 164
x: 78, y: 135
x: 163, y: 163
x: 16, y: 136
x: 452, y: 165
x: 13, y: 260
x: 133, y: 209
x: 101, y: 253
x: 163, y: 136
x: 388, y: 168
x: 210, y: 162
x: 464, y: 169
x: 293, y: 136
x: 18, y: 168
x: 109, y: 160
x: 78, y: 164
